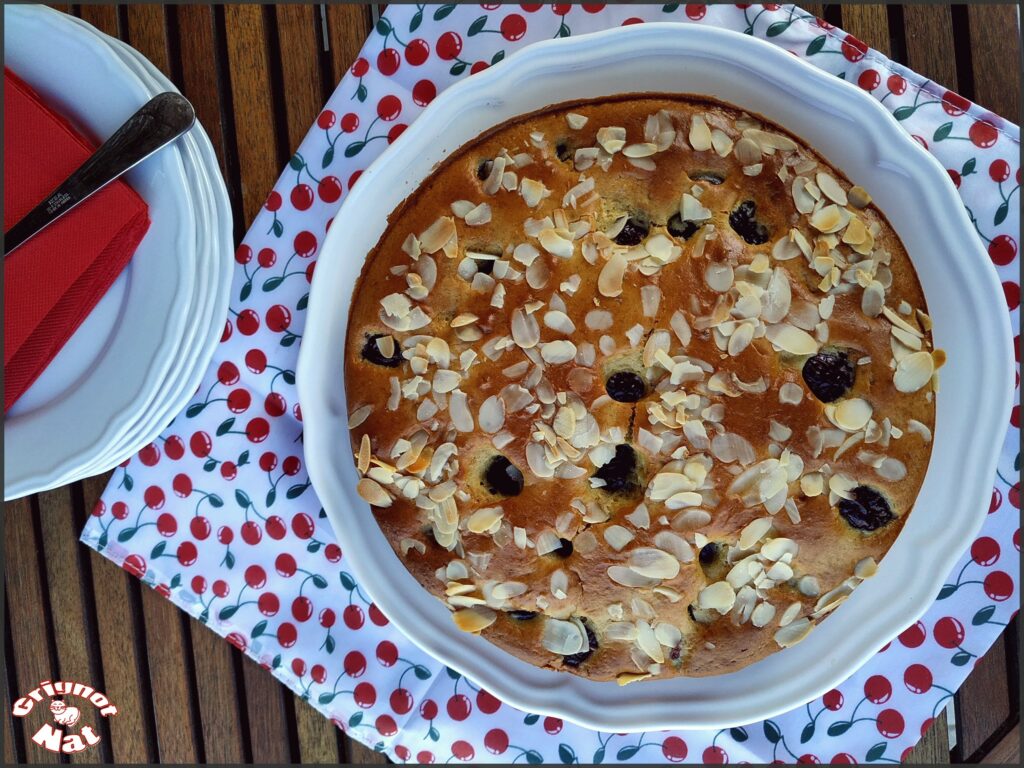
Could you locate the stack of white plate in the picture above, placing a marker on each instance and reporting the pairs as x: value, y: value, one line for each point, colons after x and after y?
x: 139, y: 356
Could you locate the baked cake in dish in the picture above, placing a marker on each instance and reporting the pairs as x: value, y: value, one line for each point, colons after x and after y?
x: 640, y: 387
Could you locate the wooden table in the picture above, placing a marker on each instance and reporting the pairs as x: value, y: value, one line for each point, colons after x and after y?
x: 258, y: 77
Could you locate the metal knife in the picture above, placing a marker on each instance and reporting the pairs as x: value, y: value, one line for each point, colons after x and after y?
x: 160, y: 121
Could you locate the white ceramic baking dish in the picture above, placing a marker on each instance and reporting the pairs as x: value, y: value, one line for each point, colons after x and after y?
x: 856, y: 135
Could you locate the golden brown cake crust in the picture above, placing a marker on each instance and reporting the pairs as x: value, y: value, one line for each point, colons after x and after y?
x: 724, y: 509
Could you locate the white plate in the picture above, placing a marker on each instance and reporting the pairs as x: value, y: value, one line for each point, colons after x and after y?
x: 92, y: 392
x: 214, y: 267
x: 856, y: 134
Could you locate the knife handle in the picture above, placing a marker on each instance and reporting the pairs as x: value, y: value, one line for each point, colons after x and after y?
x: 160, y: 121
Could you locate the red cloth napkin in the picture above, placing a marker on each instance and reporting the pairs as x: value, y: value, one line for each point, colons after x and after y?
x: 53, y: 281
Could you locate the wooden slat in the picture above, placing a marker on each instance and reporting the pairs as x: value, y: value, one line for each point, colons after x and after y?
x: 300, y: 68
x: 30, y: 637
x: 147, y: 33
x: 10, y: 748
x: 995, y: 56
x: 360, y: 754
x: 1007, y: 751
x: 103, y: 17
x: 929, y: 31
x: 258, y: 162
x: 347, y: 28
x: 71, y: 610
x: 817, y: 9
x: 983, y: 701
x: 933, y: 748
x: 168, y: 675
x: 220, y: 702
x: 869, y: 23
x: 318, y: 736
x: 268, y: 724
x: 198, y: 71
x: 132, y: 738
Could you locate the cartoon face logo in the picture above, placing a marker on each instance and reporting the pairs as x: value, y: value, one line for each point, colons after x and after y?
x: 63, y: 714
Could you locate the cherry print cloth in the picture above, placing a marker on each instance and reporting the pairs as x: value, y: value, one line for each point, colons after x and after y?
x: 52, y: 282
x: 218, y: 514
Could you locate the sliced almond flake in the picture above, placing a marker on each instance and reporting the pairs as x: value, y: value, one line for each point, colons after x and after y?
x: 558, y: 352
x: 474, y: 619
x: 865, y: 568
x: 830, y: 188
x: 859, y: 198
x: 690, y: 209
x: 719, y: 277
x: 493, y: 181
x: 747, y: 151
x: 556, y: 242
x: 363, y: 456
x: 533, y: 192
x: 648, y: 642
x: 719, y: 596
x: 914, y: 371
x: 899, y: 322
x: 700, y: 134
x: 789, y: 338
x: 793, y: 633
x: 575, y: 120
x: 721, y: 142
x: 617, y: 537
x: 828, y: 219
x: 359, y: 415
x: 584, y: 158
x: 461, y: 207
x: 411, y: 246
x: 437, y: 234
x: 446, y: 381
x: 479, y: 215
x: 675, y: 545
x: 611, y: 139
x: 525, y: 329
x: 916, y: 427
x: 762, y: 614
x: 753, y: 532
x: 371, y: 492
x: 609, y: 282
x: 851, y: 415
x: 640, y: 150
x: 891, y: 469
x: 627, y: 577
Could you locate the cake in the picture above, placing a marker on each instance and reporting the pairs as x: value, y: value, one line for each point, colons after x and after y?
x: 640, y: 387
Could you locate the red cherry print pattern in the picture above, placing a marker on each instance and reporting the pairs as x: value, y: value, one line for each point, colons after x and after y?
x: 287, y: 634
x: 354, y: 664
x: 877, y: 689
x: 386, y: 725
x: 896, y: 84
x: 696, y: 12
x: 808, y: 759
x: 869, y: 79
x: 1002, y: 250
x: 154, y: 497
x: 318, y: 673
x: 843, y: 758
x: 376, y: 616
x: 396, y: 130
x: 268, y: 461
x: 302, y: 609
x: 269, y: 604
x: 531, y: 7
x: 1012, y: 292
x: 632, y: 20
x: 353, y: 617
x: 674, y: 749
x: 200, y: 528
x: 890, y: 723
x: 255, y: 576
x: 954, y: 176
x: 329, y: 189
x: 425, y: 757
x: 389, y: 107
x: 853, y: 49
x: 327, y: 618
x: 513, y: 27
x: 302, y: 526
x: 983, y: 134
x: 496, y: 741
x: 276, y: 529
x: 918, y: 678
x: 403, y: 753
x: 305, y: 243
x: 298, y: 667
x: 954, y: 104
x: 257, y: 430
x: 463, y: 750
x: 275, y: 404
x: 221, y: 588
x: 449, y: 46
x: 417, y: 51
x: 326, y: 119
x: 244, y: 253
x: 248, y: 322
x: 332, y: 552
x: 225, y: 535
x: 251, y: 532
x: 561, y: 9
x: 428, y: 709
x: 228, y: 470
x: 423, y: 93
x: 387, y: 653
x: 267, y: 257
x: 239, y: 401
x: 998, y: 586
x: 985, y: 550
x: 349, y: 122
x: 487, y: 703
x: 285, y: 565
x: 360, y: 67
x: 119, y: 510
x: 227, y: 374
x: 401, y: 701
x: 833, y: 700
x: 949, y: 632
x: 182, y: 485
x: 388, y: 62
x: 715, y: 756
x: 593, y: 7
x: 999, y: 171
x: 174, y: 448
x: 150, y: 455
x: 135, y: 565
x: 459, y: 707
x: 291, y: 466
x: 237, y: 640
x: 167, y: 524
x: 187, y: 553
x: 302, y: 197
x: 914, y: 636
x: 256, y: 360
x: 198, y: 585
x: 365, y: 695
x: 478, y: 66
x: 552, y: 725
